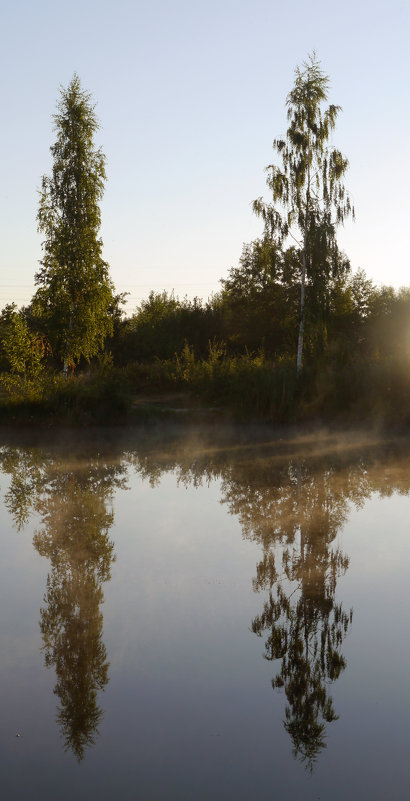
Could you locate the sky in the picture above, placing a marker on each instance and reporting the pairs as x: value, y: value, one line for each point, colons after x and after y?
x: 190, y: 95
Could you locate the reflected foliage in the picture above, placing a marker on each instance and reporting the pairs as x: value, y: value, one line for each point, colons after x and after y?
x: 304, y: 625
x: 25, y: 468
x: 296, y: 514
x: 291, y: 496
x: 75, y: 509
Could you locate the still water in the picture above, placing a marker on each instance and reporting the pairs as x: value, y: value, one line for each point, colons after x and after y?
x: 209, y: 615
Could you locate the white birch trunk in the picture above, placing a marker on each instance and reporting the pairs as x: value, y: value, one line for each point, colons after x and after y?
x: 299, y: 359
x: 302, y: 313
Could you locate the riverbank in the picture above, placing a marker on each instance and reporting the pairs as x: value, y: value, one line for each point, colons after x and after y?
x: 241, y: 389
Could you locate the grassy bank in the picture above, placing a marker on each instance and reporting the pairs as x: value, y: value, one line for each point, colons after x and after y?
x: 247, y: 387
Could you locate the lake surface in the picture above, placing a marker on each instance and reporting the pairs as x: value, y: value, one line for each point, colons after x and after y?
x: 210, y: 615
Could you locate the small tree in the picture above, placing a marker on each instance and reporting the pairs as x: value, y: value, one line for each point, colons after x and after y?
x: 260, y: 298
x: 309, y: 187
x: 75, y: 291
x: 22, y: 350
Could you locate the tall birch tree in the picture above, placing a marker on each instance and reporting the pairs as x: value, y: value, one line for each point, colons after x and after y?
x: 309, y: 196
x: 75, y: 292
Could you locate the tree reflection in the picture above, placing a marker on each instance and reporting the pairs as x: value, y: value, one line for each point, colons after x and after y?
x: 293, y: 507
x: 305, y: 631
x: 75, y: 508
x: 295, y: 514
x: 75, y: 539
x: 292, y: 499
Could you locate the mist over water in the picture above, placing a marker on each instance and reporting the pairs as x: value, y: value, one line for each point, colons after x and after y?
x: 197, y: 614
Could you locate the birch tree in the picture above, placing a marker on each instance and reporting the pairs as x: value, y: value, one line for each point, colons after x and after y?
x: 309, y: 197
x: 75, y: 292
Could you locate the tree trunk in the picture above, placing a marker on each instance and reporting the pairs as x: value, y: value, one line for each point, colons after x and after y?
x: 303, y: 281
x: 302, y: 313
x: 67, y: 342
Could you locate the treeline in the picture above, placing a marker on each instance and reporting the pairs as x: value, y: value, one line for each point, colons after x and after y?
x: 235, y: 351
x: 258, y: 313
x: 255, y: 313
x: 292, y: 335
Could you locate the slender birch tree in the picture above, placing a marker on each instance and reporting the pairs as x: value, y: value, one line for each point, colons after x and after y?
x: 75, y: 292
x: 309, y: 196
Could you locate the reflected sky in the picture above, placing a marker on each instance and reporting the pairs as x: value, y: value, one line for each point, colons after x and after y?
x: 198, y: 614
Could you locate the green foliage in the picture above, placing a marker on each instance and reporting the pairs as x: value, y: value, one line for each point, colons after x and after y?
x: 75, y: 293
x: 291, y: 288
x: 162, y: 324
x: 344, y: 386
x: 23, y: 351
x: 98, y: 396
x: 309, y: 198
x: 259, y: 301
x: 249, y: 385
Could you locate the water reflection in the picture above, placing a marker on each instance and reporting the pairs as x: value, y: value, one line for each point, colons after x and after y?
x: 75, y: 509
x: 304, y: 626
x: 292, y: 498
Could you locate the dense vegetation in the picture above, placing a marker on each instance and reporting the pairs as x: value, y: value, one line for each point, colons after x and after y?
x: 291, y: 300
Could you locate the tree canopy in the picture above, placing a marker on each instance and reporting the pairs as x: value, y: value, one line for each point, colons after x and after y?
x: 309, y: 197
x: 75, y: 292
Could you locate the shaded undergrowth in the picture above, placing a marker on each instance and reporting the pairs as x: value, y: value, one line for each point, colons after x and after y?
x: 246, y: 387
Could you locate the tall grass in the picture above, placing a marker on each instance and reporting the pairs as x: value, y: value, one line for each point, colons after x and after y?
x: 248, y: 387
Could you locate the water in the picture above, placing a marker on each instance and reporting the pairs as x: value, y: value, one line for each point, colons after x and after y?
x: 212, y: 614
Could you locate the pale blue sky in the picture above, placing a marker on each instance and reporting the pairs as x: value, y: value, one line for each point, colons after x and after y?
x: 190, y: 96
